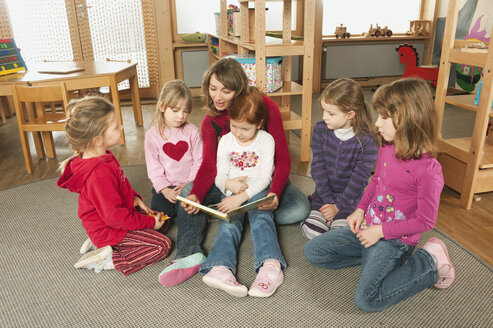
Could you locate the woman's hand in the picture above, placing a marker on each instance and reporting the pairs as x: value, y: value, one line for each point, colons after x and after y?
x: 189, y: 208
x: 355, y: 219
x: 170, y: 194
x: 232, y: 202
x: 140, y: 204
x: 236, y: 185
x: 158, y: 223
x: 329, y: 211
x: 369, y: 236
x: 270, y: 206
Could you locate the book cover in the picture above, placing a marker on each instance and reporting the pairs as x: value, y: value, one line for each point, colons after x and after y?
x: 231, y: 214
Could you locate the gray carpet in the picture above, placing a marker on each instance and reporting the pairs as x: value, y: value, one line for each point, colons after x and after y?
x: 40, y: 236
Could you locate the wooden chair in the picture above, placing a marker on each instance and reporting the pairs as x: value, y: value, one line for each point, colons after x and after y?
x: 41, y: 119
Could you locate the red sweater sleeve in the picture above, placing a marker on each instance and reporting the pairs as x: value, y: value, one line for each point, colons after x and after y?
x: 282, y: 158
x: 211, y: 129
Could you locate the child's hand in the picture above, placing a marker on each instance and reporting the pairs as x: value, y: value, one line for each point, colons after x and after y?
x: 140, y: 204
x: 236, y: 185
x: 170, y: 194
x: 158, y: 223
x: 189, y: 208
x: 269, y: 206
x: 231, y: 202
x: 355, y: 219
x: 369, y: 236
x: 329, y: 211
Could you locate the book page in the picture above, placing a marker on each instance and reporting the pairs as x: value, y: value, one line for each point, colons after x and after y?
x: 250, y: 206
x: 213, y: 212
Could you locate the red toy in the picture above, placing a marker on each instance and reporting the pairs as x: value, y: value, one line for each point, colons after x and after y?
x: 409, y: 55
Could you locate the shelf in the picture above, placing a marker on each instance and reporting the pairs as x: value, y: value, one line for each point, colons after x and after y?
x: 273, y: 46
x: 464, y: 101
x: 189, y: 45
x: 459, y: 148
x: 289, y: 88
x: 467, y: 58
x: 363, y: 39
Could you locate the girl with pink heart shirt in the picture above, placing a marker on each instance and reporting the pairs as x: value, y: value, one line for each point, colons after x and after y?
x: 173, y: 147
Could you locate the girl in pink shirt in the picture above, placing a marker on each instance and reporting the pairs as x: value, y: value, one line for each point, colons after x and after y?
x: 399, y: 204
x: 173, y: 147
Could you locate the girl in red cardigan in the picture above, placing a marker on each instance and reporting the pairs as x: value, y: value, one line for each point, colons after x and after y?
x: 222, y: 83
x: 125, y: 238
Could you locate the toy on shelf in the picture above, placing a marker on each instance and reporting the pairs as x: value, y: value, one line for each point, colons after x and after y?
x: 341, y: 32
x: 10, y: 58
x: 378, y: 31
x: 478, y: 94
x: 196, y: 37
x: 419, y: 27
x: 409, y: 55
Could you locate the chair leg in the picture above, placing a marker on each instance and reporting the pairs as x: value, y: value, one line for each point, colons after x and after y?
x: 27, y: 152
x: 38, y: 144
x: 49, y: 144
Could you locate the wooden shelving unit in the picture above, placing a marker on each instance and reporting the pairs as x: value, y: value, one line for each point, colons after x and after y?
x: 264, y: 46
x: 467, y: 162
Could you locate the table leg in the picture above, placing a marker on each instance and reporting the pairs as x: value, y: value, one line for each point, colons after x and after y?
x: 115, y: 97
x: 134, y: 88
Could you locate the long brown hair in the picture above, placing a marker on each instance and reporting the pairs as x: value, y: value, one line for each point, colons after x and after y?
x: 348, y: 95
x: 409, y: 102
x: 170, y: 96
x: 230, y: 73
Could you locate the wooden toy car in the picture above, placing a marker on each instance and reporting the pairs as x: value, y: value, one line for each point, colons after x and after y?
x: 378, y: 31
x: 341, y: 32
x: 419, y: 27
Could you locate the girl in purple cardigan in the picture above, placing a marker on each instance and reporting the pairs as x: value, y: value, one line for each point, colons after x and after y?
x: 399, y: 204
x: 344, y: 152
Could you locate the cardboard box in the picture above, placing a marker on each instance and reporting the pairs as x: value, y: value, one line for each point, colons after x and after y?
x: 273, y: 71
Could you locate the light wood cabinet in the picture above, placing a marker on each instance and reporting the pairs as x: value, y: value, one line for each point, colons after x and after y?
x: 263, y: 47
x: 467, y: 162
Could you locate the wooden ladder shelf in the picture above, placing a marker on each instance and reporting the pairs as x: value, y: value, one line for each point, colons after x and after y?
x: 467, y: 162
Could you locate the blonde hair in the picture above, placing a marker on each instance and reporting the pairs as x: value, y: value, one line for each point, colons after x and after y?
x: 231, y: 74
x: 87, y: 118
x: 170, y: 96
x: 348, y: 95
x: 409, y: 102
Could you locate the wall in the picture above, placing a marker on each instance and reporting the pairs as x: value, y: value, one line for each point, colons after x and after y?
x: 363, y: 60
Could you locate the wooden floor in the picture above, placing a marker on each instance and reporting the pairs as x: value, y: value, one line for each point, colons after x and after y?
x: 472, y: 229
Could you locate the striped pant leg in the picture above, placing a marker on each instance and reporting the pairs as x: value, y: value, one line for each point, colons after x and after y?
x: 139, y: 249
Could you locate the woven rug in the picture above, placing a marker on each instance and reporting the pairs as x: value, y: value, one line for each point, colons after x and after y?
x: 40, y: 237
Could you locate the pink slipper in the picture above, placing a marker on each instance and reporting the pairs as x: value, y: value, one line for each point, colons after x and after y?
x: 223, y: 278
x: 446, y: 271
x: 180, y: 270
x: 269, y: 277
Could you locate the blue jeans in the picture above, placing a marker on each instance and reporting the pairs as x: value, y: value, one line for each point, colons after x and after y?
x: 161, y: 204
x: 224, y: 252
x: 294, y: 207
x: 390, y: 272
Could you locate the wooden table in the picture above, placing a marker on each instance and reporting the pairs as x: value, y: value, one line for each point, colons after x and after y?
x: 93, y: 74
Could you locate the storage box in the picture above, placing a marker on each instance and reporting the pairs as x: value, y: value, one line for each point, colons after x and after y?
x: 233, y: 22
x: 273, y: 71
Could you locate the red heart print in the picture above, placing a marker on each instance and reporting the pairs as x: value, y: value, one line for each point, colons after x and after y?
x: 175, y: 151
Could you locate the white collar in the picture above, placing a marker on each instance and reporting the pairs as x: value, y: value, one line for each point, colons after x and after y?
x: 344, y: 134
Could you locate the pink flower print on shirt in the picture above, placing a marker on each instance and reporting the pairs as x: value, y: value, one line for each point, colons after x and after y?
x: 244, y: 160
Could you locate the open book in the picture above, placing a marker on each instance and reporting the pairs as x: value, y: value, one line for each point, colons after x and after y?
x: 227, y: 216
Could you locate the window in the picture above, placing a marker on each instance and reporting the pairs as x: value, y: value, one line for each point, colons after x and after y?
x: 198, y: 15
x: 40, y: 30
x: 357, y: 15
